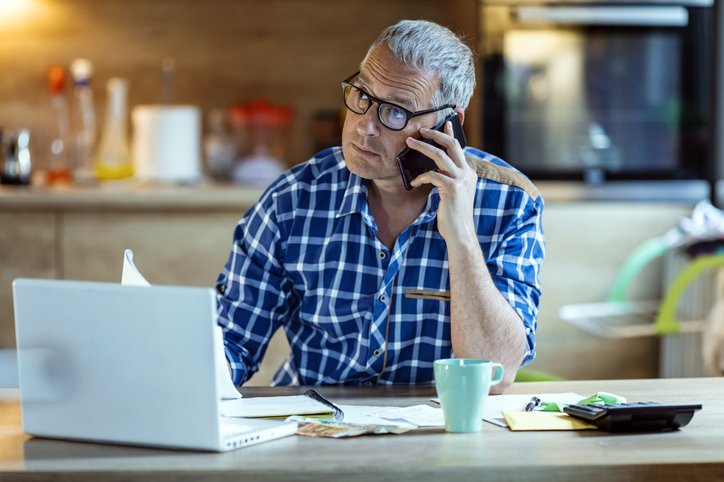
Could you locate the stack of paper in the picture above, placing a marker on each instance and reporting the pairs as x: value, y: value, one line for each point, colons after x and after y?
x: 272, y: 407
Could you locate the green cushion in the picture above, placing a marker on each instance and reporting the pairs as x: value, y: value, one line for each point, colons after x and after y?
x: 527, y: 375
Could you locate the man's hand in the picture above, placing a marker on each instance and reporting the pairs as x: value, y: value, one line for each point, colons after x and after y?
x: 455, y: 180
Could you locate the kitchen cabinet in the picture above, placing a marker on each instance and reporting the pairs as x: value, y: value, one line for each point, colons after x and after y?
x: 587, y: 242
x: 179, y: 236
x: 182, y: 235
x: 27, y: 248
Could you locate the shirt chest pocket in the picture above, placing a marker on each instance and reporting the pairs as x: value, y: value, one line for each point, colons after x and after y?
x: 416, y: 294
x: 428, y: 311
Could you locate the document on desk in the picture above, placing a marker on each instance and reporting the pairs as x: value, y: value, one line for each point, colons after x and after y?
x: 371, y: 420
x: 497, y: 404
x: 131, y: 276
x: 537, y: 421
x: 413, y: 417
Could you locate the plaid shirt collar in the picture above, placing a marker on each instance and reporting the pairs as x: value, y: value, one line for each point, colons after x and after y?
x: 355, y: 201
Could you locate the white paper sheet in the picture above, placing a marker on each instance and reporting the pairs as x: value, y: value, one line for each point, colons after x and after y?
x: 368, y: 415
x: 224, y: 385
x: 419, y: 415
x: 272, y: 406
x: 131, y: 276
x: 496, y: 404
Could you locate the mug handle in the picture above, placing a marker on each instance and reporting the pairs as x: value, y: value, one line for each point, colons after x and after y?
x: 497, y: 373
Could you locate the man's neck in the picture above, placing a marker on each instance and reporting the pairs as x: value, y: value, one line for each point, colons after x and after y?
x: 394, y: 208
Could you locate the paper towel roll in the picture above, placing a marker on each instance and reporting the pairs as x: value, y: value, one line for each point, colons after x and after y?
x: 167, y: 142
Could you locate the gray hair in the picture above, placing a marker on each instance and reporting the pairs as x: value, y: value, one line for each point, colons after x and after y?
x: 433, y: 49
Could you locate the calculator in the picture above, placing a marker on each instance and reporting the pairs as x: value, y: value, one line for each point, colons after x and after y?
x: 635, y: 417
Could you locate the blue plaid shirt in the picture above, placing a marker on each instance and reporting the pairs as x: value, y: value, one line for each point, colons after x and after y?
x: 306, y: 258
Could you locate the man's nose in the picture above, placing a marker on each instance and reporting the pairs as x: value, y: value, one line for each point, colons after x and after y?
x: 368, y: 124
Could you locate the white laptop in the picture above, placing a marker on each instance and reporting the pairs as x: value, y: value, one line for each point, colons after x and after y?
x: 126, y: 364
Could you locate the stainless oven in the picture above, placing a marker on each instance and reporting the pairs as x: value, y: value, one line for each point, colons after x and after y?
x: 599, y: 91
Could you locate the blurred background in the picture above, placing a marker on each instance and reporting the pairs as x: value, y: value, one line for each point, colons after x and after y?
x: 154, y: 125
x: 226, y: 53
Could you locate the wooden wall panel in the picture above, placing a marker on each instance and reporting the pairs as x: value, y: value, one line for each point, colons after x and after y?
x: 169, y: 247
x: 226, y: 51
x: 27, y: 249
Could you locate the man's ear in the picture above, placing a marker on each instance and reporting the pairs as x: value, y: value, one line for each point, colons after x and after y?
x: 461, y: 114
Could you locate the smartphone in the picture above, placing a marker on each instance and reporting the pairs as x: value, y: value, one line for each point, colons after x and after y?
x: 412, y: 163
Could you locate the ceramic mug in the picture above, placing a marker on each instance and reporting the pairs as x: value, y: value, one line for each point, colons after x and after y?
x: 463, y: 385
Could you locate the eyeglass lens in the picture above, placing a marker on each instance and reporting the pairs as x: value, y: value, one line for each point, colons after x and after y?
x: 359, y: 102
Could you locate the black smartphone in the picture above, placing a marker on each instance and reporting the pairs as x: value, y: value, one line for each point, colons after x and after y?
x: 412, y: 163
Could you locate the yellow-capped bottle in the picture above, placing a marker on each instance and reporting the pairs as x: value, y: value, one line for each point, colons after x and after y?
x: 113, y: 160
x: 83, y: 124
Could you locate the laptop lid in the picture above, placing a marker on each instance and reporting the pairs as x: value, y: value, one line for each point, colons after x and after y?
x: 121, y: 364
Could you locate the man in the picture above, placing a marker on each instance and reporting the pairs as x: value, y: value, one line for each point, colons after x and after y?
x: 373, y: 283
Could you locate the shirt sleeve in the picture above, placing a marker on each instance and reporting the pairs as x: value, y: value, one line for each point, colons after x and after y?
x: 515, y: 266
x: 252, y: 292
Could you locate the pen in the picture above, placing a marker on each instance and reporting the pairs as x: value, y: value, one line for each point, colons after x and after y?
x: 534, y: 402
x: 336, y: 411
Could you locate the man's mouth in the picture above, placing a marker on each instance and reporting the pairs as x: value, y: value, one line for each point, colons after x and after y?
x: 364, y: 152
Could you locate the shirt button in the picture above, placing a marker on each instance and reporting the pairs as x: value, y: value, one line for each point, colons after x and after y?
x: 368, y: 383
x: 383, y: 255
x: 377, y: 352
x: 383, y: 298
x: 221, y: 289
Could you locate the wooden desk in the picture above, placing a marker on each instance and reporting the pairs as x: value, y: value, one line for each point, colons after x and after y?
x: 693, y: 453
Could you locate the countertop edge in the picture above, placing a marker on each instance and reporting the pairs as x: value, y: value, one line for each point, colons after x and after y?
x: 689, y: 191
x: 133, y: 198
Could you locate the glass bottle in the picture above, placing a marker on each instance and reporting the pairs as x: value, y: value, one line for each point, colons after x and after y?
x: 58, y: 165
x: 114, y: 160
x: 84, y: 121
x: 219, y: 147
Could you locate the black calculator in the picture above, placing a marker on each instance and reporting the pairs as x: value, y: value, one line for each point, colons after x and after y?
x: 635, y: 417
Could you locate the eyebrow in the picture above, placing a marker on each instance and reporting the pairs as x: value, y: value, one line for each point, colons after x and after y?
x: 403, y: 101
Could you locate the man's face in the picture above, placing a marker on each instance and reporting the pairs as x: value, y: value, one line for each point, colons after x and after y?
x: 369, y: 147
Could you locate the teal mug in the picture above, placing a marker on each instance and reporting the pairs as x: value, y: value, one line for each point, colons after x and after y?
x: 463, y: 385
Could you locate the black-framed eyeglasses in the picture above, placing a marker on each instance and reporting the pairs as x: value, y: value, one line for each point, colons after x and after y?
x: 391, y: 115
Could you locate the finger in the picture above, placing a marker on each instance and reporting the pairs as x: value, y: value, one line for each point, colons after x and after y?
x: 435, y: 178
x: 439, y: 156
x: 448, y: 141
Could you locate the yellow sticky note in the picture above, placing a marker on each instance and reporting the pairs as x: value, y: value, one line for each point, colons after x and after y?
x: 518, y: 421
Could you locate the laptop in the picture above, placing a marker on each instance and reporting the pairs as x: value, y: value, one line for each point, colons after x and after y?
x: 128, y: 365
